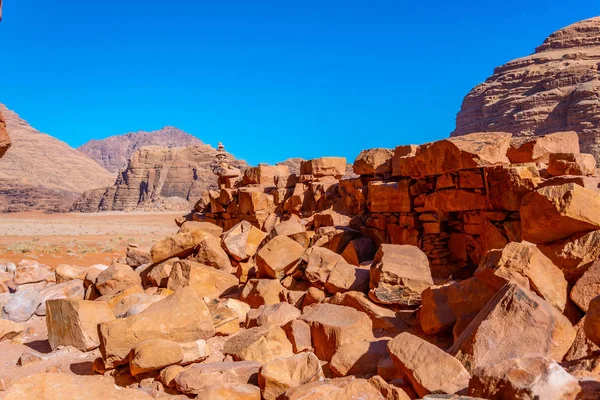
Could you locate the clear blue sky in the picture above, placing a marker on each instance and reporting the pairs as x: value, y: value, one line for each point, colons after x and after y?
x: 271, y: 79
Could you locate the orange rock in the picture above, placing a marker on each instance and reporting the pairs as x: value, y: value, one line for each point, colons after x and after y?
x: 540, y: 148
x: 389, y: 196
x: 204, y: 280
x: 9, y: 329
x: 587, y: 287
x: 574, y: 254
x: 373, y: 161
x: 264, y: 175
x: 272, y: 315
x: 508, y: 184
x: 399, y: 267
x: 298, y: 333
x: 571, y: 164
x: 75, y: 322
x: 524, y: 264
x: 253, y: 200
x: 345, y: 277
x: 591, y: 325
x: 279, y: 257
x: 234, y: 391
x: 207, y: 227
x: 557, y: 212
x: 209, y: 252
x: 359, y: 358
x: 443, y: 305
x: 117, y: 278
x: 524, y: 378
x: 359, y: 250
x: 180, y: 317
x: 324, y: 166
x: 179, y: 245
x: 429, y: 369
x: 277, y: 376
x: 261, y: 344
x: 452, y: 200
x: 403, y: 161
x: 242, y: 241
x: 464, y: 152
x: 197, y: 378
x: 515, y: 323
x: 582, y: 347
x: 262, y: 291
x: 332, y: 326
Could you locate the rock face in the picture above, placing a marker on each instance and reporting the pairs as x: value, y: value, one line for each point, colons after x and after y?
x: 5, y: 142
x: 555, y: 89
x: 113, y: 152
x: 41, y: 172
x: 158, y: 177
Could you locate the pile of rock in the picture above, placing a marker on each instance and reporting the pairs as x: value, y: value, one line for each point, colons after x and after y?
x: 442, y: 269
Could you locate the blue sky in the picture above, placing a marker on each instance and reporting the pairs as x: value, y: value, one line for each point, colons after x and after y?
x: 271, y: 79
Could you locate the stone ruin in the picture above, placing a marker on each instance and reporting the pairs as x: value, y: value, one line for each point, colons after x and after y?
x: 463, y: 267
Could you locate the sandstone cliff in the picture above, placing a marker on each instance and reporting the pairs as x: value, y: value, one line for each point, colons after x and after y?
x: 41, y: 172
x: 4, y: 139
x: 158, y: 176
x: 113, y: 152
x: 555, y: 89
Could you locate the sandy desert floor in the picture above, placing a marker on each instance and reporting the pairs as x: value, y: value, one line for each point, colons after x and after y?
x: 78, y: 238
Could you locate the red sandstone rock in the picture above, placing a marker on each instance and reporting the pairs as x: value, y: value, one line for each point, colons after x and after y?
x: 389, y: 196
x: 571, y: 164
x: 373, y: 161
x: 540, y: 148
x: 557, y: 212
x: 587, y: 287
x: 279, y: 257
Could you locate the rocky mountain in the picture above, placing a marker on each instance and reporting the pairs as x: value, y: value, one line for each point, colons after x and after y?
x: 42, y: 172
x: 113, y: 152
x: 555, y: 89
x: 4, y: 139
x: 158, y: 178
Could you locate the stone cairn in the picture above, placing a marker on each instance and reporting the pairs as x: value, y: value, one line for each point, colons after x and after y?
x: 467, y: 266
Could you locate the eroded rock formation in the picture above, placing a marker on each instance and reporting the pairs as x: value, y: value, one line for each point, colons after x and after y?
x: 555, y: 89
x: 114, y: 152
x: 157, y: 178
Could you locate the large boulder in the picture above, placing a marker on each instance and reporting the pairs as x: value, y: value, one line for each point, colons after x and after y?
x: 359, y: 358
x: 22, y: 305
x: 458, y: 153
x: 262, y: 344
x: 52, y: 386
x: 525, y: 264
x: 389, y: 196
x: 204, y: 280
x: 574, y: 254
x: 399, y: 274
x: 540, y: 148
x: 279, y: 257
x: 324, y: 166
x: 591, y: 324
x: 587, y: 287
x: 242, y: 240
x: 571, y: 164
x: 443, y: 305
x: 333, y: 326
x: 429, y: 369
x: 557, y: 212
x: 277, y: 376
x: 117, y: 278
x: 75, y: 322
x: 515, y: 323
x: 197, y: 378
x: 180, y: 317
x: 373, y: 161
x: 179, y: 245
x: 524, y: 378
x: 155, y: 354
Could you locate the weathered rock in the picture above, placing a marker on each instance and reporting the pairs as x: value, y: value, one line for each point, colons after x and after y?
x: 209, y: 252
x: 298, y: 333
x: 402, y: 267
x: 52, y: 386
x: 453, y: 200
x: 345, y: 277
x: 181, y: 317
x: 204, y: 280
x: 206, y: 227
x: 262, y: 344
x: 320, y: 262
x: 464, y: 152
x: 591, y: 325
x: 587, y: 287
x: 403, y: 161
x: 516, y: 323
x: 5, y: 142
x: 265, y: 175
x: 159, y: 274
x: 234, y: 391
x: 582, y: 347
x: 75, y: 322
x: 155, y: 354
x: 389, y: 196
x: 508, y: 184
x: 442, y: 306
x: 529, y: 267
x: 571, y: 164
x: 557, y: 212
x: 279, y: 257
x: 22, y: 305
x: 333, y: 326
x: 66, y: 273
x: 373, y: 161
x: 359, y: 250
x: 429, y: 369
x: 117, y: 278
x: 242, y: 241
x: 524, y: 378
x: 574, y: 254
x: 359, y: 358
x: 541, y: 148
x: 262, y: 291
x: 388, y: 390
x: 9, y: 329
x: 30, y: 272
x: 179, y: 245
x: 324, y: 166
x: 197, y: 378
x: 273, y: 315
x: 277, y: 376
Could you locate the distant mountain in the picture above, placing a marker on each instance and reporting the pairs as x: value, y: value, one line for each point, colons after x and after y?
x: 42, y: 172
x: 113, y: 152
